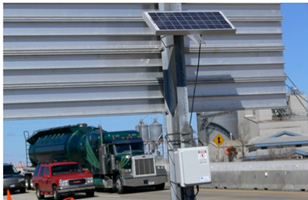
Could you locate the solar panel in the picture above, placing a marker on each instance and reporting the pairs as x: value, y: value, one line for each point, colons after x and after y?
x: 183, y: 23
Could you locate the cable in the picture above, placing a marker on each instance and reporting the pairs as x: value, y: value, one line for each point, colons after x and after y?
x: 295, y: 94
x: 157, y: 117
x: 194, y: 196
x: 196, y: 80
x: 295, y: 86
x: 201, y: 142
x: 300, y: 100
x: 290, y: 80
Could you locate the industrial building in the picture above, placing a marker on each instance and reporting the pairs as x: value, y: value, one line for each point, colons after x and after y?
x: 266, y: 134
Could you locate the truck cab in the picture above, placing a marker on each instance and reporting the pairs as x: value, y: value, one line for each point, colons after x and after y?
x: 124, y: 164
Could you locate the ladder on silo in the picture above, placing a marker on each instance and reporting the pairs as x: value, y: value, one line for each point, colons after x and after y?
x: 26, y: 136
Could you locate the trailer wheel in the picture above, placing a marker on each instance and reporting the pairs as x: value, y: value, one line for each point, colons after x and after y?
x: 38, y: 193
x: 119, y: 185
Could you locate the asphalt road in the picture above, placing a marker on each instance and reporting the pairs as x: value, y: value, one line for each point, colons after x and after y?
x: 204, y: 194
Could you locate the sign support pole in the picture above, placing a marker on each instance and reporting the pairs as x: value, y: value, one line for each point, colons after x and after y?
x: 176, y: 96
x: 187, y: 193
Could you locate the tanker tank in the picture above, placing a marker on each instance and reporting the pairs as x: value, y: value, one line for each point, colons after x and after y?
x: 79, y: 143
x: 66, y: 143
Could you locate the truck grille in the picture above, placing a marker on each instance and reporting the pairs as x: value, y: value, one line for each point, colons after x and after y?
x: 76, y: 181
x: 144, y: 166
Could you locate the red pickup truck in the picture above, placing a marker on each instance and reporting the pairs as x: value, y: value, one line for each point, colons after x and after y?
x: 61, y: 178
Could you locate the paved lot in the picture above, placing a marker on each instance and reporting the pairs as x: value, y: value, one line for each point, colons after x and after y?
x: 204, y: 194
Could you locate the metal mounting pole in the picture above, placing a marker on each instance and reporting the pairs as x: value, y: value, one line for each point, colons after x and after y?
x: 176, y: 100
x: 187, y: 193
x: 170, y: 94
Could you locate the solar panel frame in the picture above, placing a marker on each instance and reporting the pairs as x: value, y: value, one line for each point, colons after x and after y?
x: 188, y: 22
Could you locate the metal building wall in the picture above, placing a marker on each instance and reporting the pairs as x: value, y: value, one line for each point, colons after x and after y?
x: 67, y: 60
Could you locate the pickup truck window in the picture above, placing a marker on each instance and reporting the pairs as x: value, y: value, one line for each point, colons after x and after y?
x: 63, y: 169
x: 42, y: 171
x: 36, y: 170
x: 47, y: 171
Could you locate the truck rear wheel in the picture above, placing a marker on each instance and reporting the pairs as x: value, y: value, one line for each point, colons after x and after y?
x: 28, y: 182
x: 38, y: 193
x: 119, y: 185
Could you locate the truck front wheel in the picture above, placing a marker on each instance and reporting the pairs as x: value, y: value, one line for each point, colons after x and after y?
x: 56, y: 195
x: 160, y: 186
x: 119, y: 185
x: 90, y: 194
x: 38, y: 193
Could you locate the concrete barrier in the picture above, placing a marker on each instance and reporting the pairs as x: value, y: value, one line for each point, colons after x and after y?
x: 232, y: 180
x: 260, y: 180
x: 249, y: 181
x: 296, y: 181
x: 274, y: 180
x: 271, y: 175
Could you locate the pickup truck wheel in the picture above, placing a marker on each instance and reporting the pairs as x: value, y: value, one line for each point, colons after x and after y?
x: 56, y: 195
x: 90, y: 194
x: 119, y: 186
x: 72, y: 195
x: 38, y: 193
x: 160, y: 186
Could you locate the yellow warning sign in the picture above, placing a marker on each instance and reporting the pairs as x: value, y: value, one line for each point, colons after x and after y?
x: 218, y: 139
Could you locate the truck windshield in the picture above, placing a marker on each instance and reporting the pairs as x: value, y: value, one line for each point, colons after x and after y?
x: 63, y: 169
x: 123, y: 148
x: 129, y: 148
x: 137, y: 147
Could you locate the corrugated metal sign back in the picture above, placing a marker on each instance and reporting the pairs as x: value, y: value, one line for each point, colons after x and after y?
x: 241, y: 71
x: 65, y: 60
x: 68, y: 60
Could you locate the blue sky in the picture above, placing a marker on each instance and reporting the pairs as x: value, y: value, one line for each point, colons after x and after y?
x: 295, y: 40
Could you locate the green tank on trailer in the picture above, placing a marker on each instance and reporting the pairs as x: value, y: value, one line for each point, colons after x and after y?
x: 115, y: 159
x: 59, y: 144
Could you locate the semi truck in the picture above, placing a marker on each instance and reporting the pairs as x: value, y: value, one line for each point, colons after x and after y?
x: 115, y: 159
